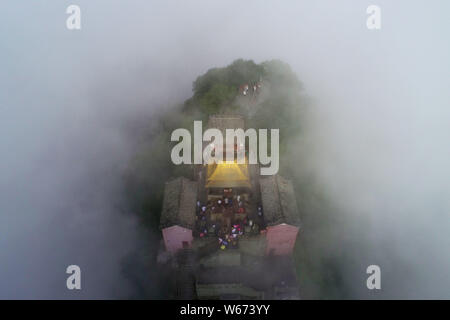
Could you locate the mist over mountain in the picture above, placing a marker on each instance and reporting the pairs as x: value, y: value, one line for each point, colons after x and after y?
x: 84, y: 117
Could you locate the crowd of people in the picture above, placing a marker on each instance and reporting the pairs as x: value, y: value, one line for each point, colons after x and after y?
x: 227, y: 218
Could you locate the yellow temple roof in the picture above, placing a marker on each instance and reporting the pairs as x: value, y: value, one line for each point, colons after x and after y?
x: 227, y: 174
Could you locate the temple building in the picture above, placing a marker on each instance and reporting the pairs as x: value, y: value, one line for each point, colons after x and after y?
x: 280, y: 214
x: 178, y: 213
x: 231, y: 232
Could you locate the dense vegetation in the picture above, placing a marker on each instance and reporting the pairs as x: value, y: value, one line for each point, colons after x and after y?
x: 214, y: 92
